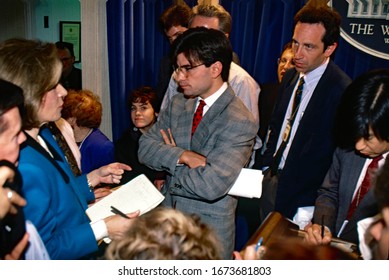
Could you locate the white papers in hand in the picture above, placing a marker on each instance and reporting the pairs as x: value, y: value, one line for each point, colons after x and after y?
x: 137, y: 194
x: 248, y: 184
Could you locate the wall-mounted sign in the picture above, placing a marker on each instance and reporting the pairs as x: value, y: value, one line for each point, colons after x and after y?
x: 365, y: 24
x: 70, y: 31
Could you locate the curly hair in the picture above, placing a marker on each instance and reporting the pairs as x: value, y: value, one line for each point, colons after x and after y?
x: 84, y: 106
x: 143, y: 94
x: 166, y: 234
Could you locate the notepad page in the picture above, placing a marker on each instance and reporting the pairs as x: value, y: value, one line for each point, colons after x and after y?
x: 137, y: 194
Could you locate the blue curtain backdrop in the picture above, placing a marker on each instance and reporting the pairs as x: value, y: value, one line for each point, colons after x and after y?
x: 260, y: 29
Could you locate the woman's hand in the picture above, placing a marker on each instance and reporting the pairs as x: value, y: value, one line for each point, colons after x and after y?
x: 108, y: 174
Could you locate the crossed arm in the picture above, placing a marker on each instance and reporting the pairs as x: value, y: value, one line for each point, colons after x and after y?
x: 189, y: 158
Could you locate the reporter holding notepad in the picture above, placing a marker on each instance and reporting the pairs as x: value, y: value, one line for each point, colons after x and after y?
x: 346, y: 196
x: 56, y: 199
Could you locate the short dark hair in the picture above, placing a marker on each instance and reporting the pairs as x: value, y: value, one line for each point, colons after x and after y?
x: 175, y: 15
x: 364, y: 105
x: 11, y: 96
x: 206, y: 46
x: 325, y: 15
x: 65, y: 45
x: 287, y: 46
x: 142, y: 95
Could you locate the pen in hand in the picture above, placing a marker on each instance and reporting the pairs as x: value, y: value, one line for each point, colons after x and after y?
x: 117, y: 211
x: 258, y: 244
x: 322, y: 227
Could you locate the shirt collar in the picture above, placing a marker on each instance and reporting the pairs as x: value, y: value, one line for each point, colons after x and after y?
x: 212, y: 98
x: 315, y: 74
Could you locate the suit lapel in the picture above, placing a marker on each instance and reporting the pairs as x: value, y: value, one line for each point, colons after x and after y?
x: 203, y: 130
x: 50, y: 141
x: 56, y: 157
x: 367, y: 208
x: 355, y: 165
x: 318, y: 98
x: 285, y: 97
x: 184, y: 123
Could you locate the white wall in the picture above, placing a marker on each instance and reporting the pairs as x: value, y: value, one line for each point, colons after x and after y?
x: 56, y: 11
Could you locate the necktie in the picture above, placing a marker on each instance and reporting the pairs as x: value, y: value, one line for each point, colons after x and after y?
x: 365, y: 186
x: 285, y: 137
x: 297, y: 96
x: 65, y: 148
x: 198, y: 115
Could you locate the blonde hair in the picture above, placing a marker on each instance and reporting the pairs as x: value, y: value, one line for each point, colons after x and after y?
x: 33, y: 66
x: 214, y: 11
x: 166, y: 234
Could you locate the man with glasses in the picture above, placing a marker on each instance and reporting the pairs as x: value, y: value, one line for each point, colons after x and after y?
x: 71, y: 76
x: 244, y: 86
x: 207, y: 134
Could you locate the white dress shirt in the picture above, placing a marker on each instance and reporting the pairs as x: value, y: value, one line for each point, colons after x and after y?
x: 311, y: 80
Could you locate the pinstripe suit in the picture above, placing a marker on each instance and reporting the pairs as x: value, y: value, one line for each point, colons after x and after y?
x: 225, y: 136
x: 336, y: 193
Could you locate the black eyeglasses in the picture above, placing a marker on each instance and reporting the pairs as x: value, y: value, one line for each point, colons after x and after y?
x: 63, y: 59
x: 185, y: 69
x: 284, y: 60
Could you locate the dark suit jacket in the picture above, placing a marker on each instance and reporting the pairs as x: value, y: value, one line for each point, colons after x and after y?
x: 126, y: 151
x: 164, y: 74
x: 12, y: 226
x: 73, y: 80
x: 225, y: 136
x: 266, y: 102
x: 311, y: 151
x: 336, y: 193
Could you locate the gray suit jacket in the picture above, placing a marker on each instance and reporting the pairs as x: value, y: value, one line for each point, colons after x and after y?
x: 225, y: 136
x: 336, y: 193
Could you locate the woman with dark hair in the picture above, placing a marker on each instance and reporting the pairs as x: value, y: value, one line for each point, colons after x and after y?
x: 346, y: 196
x: 143, y: 104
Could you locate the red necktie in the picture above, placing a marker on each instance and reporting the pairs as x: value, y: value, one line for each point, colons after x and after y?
x: 198, y: 115
x: 365, y: 186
